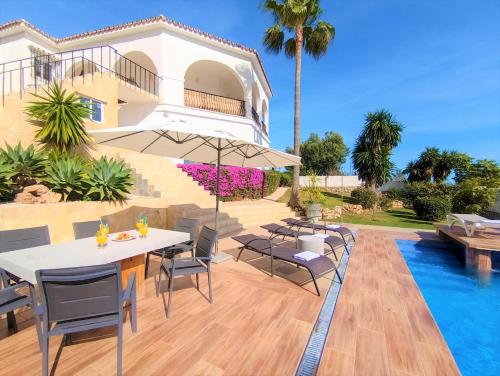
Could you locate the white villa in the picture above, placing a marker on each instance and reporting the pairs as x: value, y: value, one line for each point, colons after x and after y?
x: 142, y: 72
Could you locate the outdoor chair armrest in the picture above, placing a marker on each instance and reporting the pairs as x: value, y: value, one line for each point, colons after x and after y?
x: 16, y: 286
x: 127, y: 294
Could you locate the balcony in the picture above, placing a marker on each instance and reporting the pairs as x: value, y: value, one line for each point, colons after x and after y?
x: 39, y: 71
x: 260, y: 122
x: 212, y: 102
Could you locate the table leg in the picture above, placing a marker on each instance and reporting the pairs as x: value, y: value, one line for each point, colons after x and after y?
x: 134, y: 264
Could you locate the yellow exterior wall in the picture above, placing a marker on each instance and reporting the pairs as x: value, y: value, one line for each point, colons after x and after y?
x: 15, y: 126
x: 60, y: 216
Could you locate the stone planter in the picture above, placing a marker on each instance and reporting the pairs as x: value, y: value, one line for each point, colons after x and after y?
x: 314, y: 210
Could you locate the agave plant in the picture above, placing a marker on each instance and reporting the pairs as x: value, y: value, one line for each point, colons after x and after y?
x: 6, y: 184
x: 60, y: 117
x: 108, y: 179
x: 28, y: 165
x: 65, y: 175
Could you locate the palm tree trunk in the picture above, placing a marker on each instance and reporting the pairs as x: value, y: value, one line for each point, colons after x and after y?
x: 294, y: 197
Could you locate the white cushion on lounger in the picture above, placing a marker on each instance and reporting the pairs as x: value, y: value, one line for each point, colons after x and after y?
x: 306, y: 256
x: 491, y: 221
x: 323, y: 236
x: 333, y: 227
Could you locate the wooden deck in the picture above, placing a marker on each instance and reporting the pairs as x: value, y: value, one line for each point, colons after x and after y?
x: 259, y: 325
x: 487, y: 240
x: 478, y: 248
x: 256, y: 325
x: 381, y: 324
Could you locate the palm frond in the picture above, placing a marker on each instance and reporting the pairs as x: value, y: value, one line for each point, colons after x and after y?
x: 273, y: 39
x: 290, y: 47
x: 317, y: 39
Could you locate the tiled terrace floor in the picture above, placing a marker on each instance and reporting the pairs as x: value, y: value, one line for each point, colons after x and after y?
x: 259, y: 325
x: 381, y: 324
x: 256, y: 325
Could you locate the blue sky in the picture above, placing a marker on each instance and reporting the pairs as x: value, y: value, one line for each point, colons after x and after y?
x: 435, y: 64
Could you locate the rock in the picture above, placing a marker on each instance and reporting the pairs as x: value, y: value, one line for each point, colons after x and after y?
x: 353, y: 208
x: 397, y: 204
x: 37, y: 194
x: 336, y: 212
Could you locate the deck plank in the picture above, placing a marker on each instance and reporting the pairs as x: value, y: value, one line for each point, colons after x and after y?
x: 382, y: 323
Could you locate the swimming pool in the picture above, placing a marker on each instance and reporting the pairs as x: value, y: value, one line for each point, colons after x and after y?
x: 465, y: 306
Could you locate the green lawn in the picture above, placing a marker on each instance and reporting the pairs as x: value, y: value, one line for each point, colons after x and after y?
x: 394, y: 217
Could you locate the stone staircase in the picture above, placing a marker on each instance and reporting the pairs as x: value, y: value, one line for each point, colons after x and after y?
x: 160, y: 178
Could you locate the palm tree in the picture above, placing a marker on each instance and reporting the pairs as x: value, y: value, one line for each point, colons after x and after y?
x: 373, y: 147
x: 435, y: 165
x: 60, y: 118
x: 297, y: 21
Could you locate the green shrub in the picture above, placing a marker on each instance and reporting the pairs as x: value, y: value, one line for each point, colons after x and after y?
x: 65, y: 175
x: 415, y: 190
x: 286, y: 179
x: 7, y: 188
x: 272, y: 181
x: 472, y: 197
x: 108, y: 180
x: 364, y: 197
x: 395, y: 194
x: 28, y: 165
x: 312, y: 193
x: 385, y: 202
x: 432, y: 208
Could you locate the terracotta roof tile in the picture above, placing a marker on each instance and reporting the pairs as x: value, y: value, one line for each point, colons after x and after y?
x: 128, y: 25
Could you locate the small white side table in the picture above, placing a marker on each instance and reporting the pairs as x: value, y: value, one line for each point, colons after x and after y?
x: 312, y: 243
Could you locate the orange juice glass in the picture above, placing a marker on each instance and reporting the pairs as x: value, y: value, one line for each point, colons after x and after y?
x: 101, y: 238
x: 139, y: 224
x: 104, y: 228
x: 143, y: 230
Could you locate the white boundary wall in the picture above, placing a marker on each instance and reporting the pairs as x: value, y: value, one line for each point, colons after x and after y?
x: 333, y: 181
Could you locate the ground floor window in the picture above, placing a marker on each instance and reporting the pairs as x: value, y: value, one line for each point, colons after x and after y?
x: 96, y: 109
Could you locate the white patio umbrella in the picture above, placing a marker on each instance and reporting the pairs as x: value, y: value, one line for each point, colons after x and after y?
x: 180, y: 140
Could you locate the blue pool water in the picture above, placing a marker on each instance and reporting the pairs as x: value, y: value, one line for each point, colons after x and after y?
x: 465, y: 305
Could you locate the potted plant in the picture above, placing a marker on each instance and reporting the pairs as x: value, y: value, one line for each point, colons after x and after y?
x: 313, y: 198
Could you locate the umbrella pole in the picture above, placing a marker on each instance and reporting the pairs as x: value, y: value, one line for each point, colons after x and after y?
x: 218, y: 257
x: 217, y: 193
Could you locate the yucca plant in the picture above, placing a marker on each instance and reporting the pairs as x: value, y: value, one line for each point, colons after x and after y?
x: 66, y: 175
x: 60, y: 117
x: 28, y: 165
x: 108, y: 179
x: 7, y: 189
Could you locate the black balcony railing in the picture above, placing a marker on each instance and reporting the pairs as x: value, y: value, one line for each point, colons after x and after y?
x: 260, y: 122
x: 213, y: 102
x: 40, y: 70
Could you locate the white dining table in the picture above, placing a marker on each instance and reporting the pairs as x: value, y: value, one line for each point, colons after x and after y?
x: 24, y: 263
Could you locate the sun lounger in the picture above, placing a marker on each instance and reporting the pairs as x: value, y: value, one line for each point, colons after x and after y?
x: 317, y: 267
x: 343, y: 231
x: 277, y: 230
x: 472, y: 222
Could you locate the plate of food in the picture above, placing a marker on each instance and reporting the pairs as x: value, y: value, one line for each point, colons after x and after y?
x: 123, y: 237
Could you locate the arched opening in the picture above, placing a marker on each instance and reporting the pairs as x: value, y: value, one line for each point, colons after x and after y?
x: 213, y: 86
x: 137, y: 69
x: 255, y: 102
x: 79, y: 67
